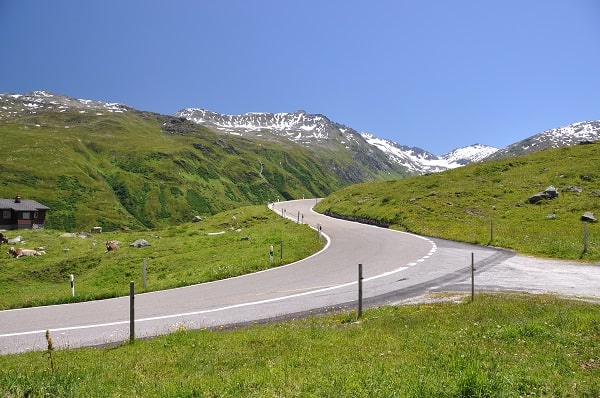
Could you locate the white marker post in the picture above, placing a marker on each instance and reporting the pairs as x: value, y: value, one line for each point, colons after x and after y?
x: 271, y: 254
x: 72, y: 286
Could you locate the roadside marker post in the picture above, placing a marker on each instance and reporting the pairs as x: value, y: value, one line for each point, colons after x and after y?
x: 360, y: 292
x: 144, y: 274
x: 131, y: 312
x: 72, y: 285
x: 585, y: 237
x: 271, y: 254
x: 472, y: 276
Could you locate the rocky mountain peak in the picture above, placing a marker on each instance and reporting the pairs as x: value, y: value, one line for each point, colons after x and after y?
x: 297, y: 126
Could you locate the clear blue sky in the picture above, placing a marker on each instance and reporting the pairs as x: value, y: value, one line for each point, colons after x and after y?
x: 436, y: 74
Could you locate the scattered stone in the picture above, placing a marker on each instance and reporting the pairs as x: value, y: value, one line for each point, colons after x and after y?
x: 595, y: 192
x: 551, y: 216
x: 140, y: 243
x: 550, y: 193
x: 588, y: 216
x: 82, y: 235
x: 575, y: 189
x: 196, y: 219
x: 584, y: 177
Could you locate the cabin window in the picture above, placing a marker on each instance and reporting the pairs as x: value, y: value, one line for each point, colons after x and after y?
x: 5, y: 213
x: 26, y: 215
x: 35, y: 215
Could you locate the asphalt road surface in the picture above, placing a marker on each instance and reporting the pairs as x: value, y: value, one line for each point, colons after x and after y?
x: 397, y: 267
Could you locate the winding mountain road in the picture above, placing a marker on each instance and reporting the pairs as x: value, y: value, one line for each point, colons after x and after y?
x: 397, y: 267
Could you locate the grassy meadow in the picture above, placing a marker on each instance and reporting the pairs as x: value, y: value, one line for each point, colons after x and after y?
x: 228, y: 244
x: 486, y: 203
x: 496, y: 346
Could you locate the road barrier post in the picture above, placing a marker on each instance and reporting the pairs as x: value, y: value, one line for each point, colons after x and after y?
x: 271, y: 254
x: 72, y: 285
x: 472, y: 276
x: 585, y: 237
x: 131, y: 312
x: 360, y: 292
x: 144, y: 275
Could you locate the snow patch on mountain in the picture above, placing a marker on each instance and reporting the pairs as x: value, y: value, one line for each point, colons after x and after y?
x: 15, y: 104
x: 297, y: 126
x: 469, y: 154
x: 419, y: 161
x: 573, y: 134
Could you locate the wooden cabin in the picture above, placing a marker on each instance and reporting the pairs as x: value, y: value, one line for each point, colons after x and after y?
x: 19, y: 213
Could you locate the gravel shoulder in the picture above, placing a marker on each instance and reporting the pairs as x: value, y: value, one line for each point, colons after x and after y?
x: 524, y: 274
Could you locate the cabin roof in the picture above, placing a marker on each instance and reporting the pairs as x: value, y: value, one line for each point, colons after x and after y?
x: 22, y: 205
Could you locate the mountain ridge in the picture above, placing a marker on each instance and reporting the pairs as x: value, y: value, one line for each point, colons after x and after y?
x: 317, y: 129
x: 97, y: 163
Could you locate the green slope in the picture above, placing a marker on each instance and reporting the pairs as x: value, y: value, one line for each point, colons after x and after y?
x: 485, y: 203
x: 139, y: 169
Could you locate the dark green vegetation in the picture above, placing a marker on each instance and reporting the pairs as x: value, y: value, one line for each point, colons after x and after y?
x: 485, y: 203
x: 178, y: 256
x: 139, y: 169
x: 520, y: 346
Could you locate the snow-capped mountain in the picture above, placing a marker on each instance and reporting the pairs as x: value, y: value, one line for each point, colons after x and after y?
x: 297, y: 126
x: 310, y: 129
x: 14, y: 104
x: 469, y: 154
x: 572, y: 134
x: 317, y: 131
x: 415, y: 159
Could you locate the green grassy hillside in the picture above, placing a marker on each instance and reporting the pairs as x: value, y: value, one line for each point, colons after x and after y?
x: 485, y: 203
x: 139, y: 169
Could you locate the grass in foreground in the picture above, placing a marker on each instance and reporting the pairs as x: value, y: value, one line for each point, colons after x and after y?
x: 497, y: 346
x: 231, y: 243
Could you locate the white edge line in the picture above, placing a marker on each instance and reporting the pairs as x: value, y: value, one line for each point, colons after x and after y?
x: 247, y: 304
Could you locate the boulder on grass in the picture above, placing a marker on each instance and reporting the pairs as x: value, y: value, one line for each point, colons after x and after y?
x: 550, y: 193
x: 588, y: 216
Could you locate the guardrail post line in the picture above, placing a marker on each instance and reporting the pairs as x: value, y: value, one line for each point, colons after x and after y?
x: 131, y: 311
x: 360, y: 292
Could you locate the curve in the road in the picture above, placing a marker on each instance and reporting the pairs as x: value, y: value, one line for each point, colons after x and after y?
x: 324, y: 280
